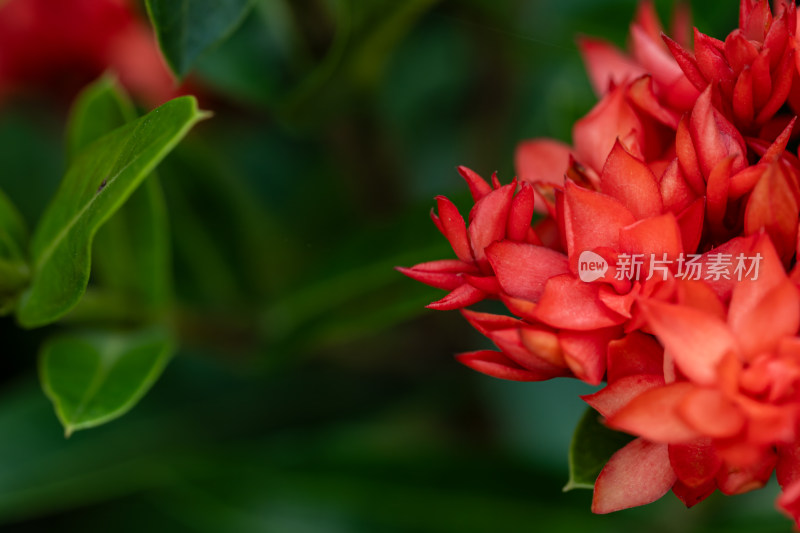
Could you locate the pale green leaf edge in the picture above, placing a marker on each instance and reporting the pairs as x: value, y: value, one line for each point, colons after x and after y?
x: 157, y: 369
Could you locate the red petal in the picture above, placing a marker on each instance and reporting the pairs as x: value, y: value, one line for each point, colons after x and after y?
x: 542, y: 161
x: 714, y: 137
x: 675, y: 190
x: 609, y: 400
x: 787, y: 469
x: 696, y: 340
x: 743, y: 105
x: 519, y: 218
x: 654, y: 415
x: 737, y: 480
x: 780, y: 88
x: 607, y: 66
x: 510, y: 342
x: 636, y: 353
x: 774, y: 317
x: 488, y: 220
x: 652, y: 236
x: 487, y: 284
x: 772, y: 206
x: 739, y: 51
x: 523, y: 269
x: 595, y: 134
x: 631, y: 182
x: 687, y: 157
x: 695, y: 464
x: 642, y: 96
x: 593, y: 220
x: 488, y: 322
x: 463, y: 296
x: 691, y: 496
x: 497, y: 365
x: 544, y: 344
x: 585, y: 352
x: 445, y: 274
x: 687, y: 63
x: 708, y: 412
x: 570, y: 303
x: 711, y: 61
x: 453, y: 228
x: 637, y: 474
x: 477, y: 185
x: 690, y: 222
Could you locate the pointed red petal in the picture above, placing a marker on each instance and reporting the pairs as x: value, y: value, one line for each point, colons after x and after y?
x: 631, y: 182
x: 593, y: 220
x: 654, y: 415
x: 690, y: 221
x: 695, y: 464
x: 637, y: 474
x: 497, y: 365
x: 523, y: 269
x: 488, y: 220
x: 595, y: 134
x: 585, y: 352
x: 691, y: 496
x: 488, y: 322
x: 675, y: 190
x: 607, y: 66
x: 696, y: 340
x: 453, y: 228
x: 634, y: 354
x: 609, y: 400
x: 652, y: 236
x: 709, y: 412
x: 570, y: 303
x: 542, y: 160
x: 738, y: 480
x: 463, y: 296
x: 687, y: 63
x: 445, y: 274
x: 714, y: 137
x: 477, y: 185
x: 519, y: 218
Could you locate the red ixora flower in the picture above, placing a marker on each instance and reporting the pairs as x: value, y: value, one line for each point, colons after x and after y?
x: 688, y: 165
x: 58, y: 47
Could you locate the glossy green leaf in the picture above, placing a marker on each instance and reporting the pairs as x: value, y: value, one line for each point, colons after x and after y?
x: 98, y: 182
x: 592, y: 446
x: 131, y: 251
x: 95, y: 377
x: 186, y: 28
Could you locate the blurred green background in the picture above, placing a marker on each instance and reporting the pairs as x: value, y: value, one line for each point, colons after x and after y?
x: 312, y: 391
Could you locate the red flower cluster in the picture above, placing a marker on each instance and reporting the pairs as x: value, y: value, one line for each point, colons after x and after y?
x: 664, y: 262
x: 60, y: 46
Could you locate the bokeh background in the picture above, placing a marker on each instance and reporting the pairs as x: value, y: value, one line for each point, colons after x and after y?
x: 312, y: 391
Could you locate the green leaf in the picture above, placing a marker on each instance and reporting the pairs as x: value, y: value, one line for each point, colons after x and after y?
x: 98, y: 182
x: 95, y: 377
x: 187, y: 28
x: 99, y: 109
x: 592, y: 446
x: 131, y: 251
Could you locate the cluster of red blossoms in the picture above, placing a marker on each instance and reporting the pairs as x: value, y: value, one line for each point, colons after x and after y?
x: 686, y: 161
x: 60, y: 46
